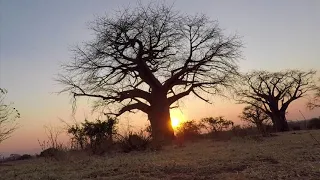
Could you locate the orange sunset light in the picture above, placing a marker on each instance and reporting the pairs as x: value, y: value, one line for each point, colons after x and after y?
x: 177, y: 118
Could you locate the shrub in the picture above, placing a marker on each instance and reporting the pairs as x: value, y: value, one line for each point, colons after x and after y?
x: 13, y: 157
x: 189, y: 130
x: 218, y: 127
x: 78, y: 139
x: 314, y: 123
x: 134, y: 141
x: 50, y: 152
x: 216, y: 124
x: 54, y: 154
x: 296, y: 125
x: 98, y: 135
x: 243, y: 131
x: 238, y: 131
x: 25, y: 156
x: 296, y: 128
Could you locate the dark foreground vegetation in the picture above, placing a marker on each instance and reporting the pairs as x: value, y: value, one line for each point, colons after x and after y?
x: 102, y: 137
x: 290, y: 155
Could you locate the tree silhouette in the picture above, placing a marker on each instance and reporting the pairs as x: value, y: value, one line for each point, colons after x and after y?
x: 8, y: 117
x: 97, y: 133
x: 315, y: 101
x: 147, y: 59
x: 188, y: 130
x: 255, y: 115
x: 275, y: 91
x: 216, y: 124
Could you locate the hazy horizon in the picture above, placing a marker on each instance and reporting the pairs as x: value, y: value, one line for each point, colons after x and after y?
x: 36, y: 37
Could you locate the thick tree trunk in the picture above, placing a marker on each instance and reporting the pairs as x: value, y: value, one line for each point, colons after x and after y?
x: 159, y: 116
x: 280, y: 122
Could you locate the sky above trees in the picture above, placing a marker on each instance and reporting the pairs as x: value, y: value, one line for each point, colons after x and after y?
x: 36, y: 37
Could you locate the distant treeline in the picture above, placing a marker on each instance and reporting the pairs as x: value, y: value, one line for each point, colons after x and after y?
x: 313, y: 123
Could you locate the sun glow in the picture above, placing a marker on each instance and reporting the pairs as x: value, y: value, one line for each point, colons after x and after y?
x: 175, y: 122
x: 176, y: 118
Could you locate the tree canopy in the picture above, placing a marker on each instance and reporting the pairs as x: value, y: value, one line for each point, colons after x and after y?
x: 148, y: 58
x: 275, y: 91
x: 255, y: 115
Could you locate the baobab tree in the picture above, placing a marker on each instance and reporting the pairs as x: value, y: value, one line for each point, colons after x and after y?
x: 275, y: 91
x: 147, y: 59
x: 255, y: 115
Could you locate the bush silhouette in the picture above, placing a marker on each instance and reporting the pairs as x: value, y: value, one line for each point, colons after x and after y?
x: 50, y: 152
x: 216, y: 124
x: 189, y: 130
x: 217, y: 127
x: 134, y: 142
x: 25, y: 156
x: 313, y: 123
x: 98, y: 135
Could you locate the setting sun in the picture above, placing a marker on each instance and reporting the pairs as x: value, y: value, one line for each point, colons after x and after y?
x: 176, y: 118
x: 175, y: 122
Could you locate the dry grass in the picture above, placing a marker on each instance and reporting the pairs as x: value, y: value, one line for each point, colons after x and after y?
x: 286, y: 156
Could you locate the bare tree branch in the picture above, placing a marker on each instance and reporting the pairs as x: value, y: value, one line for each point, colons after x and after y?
x: 139, y: 52
x: 8, y: 117
x: 315, y: 101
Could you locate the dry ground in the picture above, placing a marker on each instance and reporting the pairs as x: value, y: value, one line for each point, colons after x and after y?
x: 286, y: 156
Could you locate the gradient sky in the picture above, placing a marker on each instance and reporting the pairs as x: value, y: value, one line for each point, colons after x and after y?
x: 36, y: 37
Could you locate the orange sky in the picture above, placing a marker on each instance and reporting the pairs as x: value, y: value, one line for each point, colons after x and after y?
x: 26, y: 138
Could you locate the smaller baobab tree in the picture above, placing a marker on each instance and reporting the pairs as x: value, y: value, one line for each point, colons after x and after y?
x: 275, y: 91
x: 8, y: 117
x: 255, y: 115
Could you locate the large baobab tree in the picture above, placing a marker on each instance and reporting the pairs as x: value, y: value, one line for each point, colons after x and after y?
x: 8, y: 117
x: 147, y: 59
x: 275, y: 91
